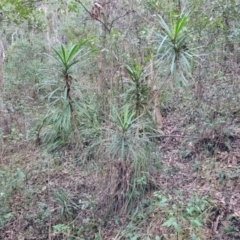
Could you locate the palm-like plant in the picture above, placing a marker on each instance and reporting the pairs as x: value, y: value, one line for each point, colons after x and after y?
x: 67, y: 58
x: 56, y: 127
x: 60, y: 122
x: 129, y: 146
x: 137, y: 91
x: 124, y: 140
x: 173, y: 51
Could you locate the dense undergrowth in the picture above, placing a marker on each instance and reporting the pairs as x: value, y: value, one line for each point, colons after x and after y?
x: 128, y: 135
x: 184, y: 187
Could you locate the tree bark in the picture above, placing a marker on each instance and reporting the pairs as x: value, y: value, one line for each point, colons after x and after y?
x: 1, y: 66
x: 156, y: 104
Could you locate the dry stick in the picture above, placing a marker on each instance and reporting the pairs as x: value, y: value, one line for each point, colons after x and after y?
x: 109, y: 30
x: 1, y: 66
x: 107, y: 27
x: 117, y: 18
x: 155, y: 100
x: 99, y: 20
x: 1, y: 89
x: 215, y: 224
x: 100, y: 83
x: 68, y: 82
x: 50, y: 216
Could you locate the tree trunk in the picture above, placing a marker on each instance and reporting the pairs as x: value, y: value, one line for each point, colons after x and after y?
x: 156, y: 104
x: 1, y: 66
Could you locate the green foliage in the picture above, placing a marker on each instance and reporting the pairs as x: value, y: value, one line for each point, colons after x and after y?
x: 174, y: 51
x: 89, y: 125
x: 67, y: 57
x: 39, y: 217
x: 61, y: 228
x: 57, y: 126
x: 10, y: 182
x: 113, y: 131
x: 66, y: 206
x: 137, y: 90
x: 232, y: 229
x: 18, y: 11
x: 183, y: 217
x: 29, y: 55
x: 88, y: 110
x: 62, y: 119
x: 179, y: 213
x: 126, y: 138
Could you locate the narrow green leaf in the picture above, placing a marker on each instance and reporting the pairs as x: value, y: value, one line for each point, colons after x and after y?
x: 72, y: 64
x: 60, y: 58
x: 173, y: 64
x: 179, y: 26
x: 73, y: 52
x: 64, y: 53
x: 165, y: 27
x: 161, y: 45
x: 181, y: 41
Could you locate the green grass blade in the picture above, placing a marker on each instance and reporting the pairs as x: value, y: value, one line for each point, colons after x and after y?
x: 73, y: 52
x: 180, y: 25
x: 59, y: 57
x: 64, y: 55
x: 165, y: 27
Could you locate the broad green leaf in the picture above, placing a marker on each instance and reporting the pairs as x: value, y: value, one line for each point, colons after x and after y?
x: 20, y: 174
x: 135, y: 237
x: 195, y: 223
x: 193, y: 237
x: 169, y: 222
x: 176, y: 227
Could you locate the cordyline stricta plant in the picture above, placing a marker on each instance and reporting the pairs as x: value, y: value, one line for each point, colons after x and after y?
x: 174, y: 52
x: 137, y: 89
x: 61, y: 121
x: 67, y: 59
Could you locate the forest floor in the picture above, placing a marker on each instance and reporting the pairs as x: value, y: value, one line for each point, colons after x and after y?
x: 194, y: 193
x: 185, y: 171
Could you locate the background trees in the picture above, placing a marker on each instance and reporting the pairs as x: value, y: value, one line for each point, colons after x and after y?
x: 119, y: 119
